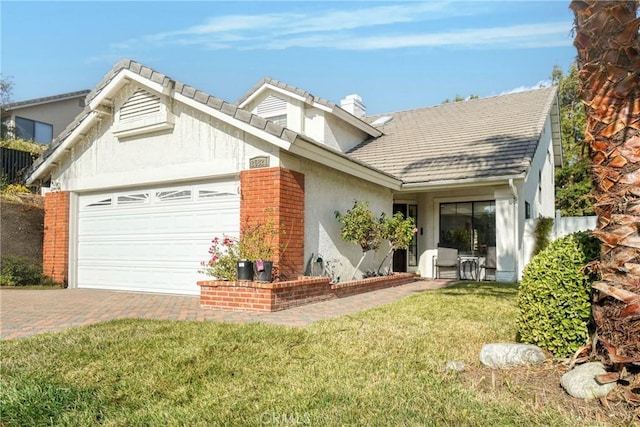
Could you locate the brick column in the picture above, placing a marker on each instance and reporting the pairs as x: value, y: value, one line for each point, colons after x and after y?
x: 55, y: 248
x: 279, y: 192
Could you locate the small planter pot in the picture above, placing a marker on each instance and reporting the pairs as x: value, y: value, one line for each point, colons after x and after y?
x: 245, y: 271
x: 263, y: 270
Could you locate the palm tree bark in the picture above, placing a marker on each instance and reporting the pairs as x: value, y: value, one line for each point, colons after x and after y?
x: 609, y: 59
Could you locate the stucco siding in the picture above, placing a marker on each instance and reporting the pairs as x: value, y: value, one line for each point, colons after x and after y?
x: 342, y: 136
x: 58, y: 114
x: 539, y: 188
x: 198, y: 146
x: 326, y: 191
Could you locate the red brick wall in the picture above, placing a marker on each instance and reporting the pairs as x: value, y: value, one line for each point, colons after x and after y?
x: 255, y: 296
x: 277, y: 192
x: 55, y: 248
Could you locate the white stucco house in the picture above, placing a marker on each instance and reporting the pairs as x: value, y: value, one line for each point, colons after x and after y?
x: 153, y: 169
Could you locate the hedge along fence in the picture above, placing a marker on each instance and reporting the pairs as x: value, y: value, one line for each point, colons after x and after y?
x: 555, y: 295
x: 15, y: 164
x: 562, y: 226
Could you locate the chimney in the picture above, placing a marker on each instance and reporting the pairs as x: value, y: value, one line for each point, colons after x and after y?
x: 353, y: 104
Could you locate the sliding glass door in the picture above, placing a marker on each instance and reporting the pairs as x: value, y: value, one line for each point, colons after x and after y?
x: 469, y: 227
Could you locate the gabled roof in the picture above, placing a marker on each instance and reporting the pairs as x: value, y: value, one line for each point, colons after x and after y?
x: 470, y: 140
x: 309, y: 99
x: 45, y: 100
x: 99, y: 102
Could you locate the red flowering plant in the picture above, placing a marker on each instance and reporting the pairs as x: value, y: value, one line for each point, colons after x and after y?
x: 224, y: 256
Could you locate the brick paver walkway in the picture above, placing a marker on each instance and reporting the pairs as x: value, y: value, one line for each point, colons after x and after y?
x: 29, y: 312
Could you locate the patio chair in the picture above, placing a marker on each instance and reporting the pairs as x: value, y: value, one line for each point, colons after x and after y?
x: 448, y: 260
x: 489, y: 263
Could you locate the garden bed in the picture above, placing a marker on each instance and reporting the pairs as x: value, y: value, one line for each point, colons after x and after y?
x: 265, y: 297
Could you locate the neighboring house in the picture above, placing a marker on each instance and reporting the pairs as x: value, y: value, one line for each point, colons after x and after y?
x: 43, y: 118
x: 153, y: 169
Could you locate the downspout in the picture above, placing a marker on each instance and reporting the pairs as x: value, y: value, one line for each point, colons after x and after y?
x: 516, y: 244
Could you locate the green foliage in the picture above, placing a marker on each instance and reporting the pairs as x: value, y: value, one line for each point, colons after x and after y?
x: 398, y: 230
x: 542, y: 232
x: 23, y: 145
x: 573, y: 180
x: 259, y: 239
x: 554, y: 296
x: 223, y: 260
x: 459, y: 98
x: 17, y: 271
x: 359, y: 226
x: 13, y: 189
x: 257, y: 242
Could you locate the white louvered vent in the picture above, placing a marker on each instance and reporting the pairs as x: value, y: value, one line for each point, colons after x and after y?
x: 139, y: 105
x: 272, y: 104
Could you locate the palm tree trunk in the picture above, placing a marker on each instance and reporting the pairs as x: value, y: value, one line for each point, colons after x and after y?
x: 609, y: 59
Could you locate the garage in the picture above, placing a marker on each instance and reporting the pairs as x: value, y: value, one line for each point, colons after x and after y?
x: 152, y: 239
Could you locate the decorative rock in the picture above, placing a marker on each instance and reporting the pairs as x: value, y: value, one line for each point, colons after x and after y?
x: 507, y: 355
x: 581, y: 381
x: 454, y: 366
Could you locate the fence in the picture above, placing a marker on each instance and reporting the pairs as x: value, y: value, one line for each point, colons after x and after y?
x: 14, y: 164
x: 562, y: 226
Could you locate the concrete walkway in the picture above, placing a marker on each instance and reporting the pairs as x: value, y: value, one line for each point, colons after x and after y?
x: 28, y: 312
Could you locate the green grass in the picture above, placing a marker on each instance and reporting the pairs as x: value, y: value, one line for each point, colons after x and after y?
x: 379, y: 367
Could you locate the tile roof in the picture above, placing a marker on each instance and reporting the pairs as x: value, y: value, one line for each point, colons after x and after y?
x: 309, y: 98
x: 186, y: 90
x: 44, y: 100
x: 229, y: 109
x: 478, y: 138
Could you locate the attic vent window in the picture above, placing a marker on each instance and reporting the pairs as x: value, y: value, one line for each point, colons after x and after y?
x: 272, y: 105
x: 143, y: 112
x: 140, y: 104
x: 273, y: 108
x: 381, y: 121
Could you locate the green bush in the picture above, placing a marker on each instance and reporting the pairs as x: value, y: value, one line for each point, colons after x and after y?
x: 18, y: 271
x: 555, y: 295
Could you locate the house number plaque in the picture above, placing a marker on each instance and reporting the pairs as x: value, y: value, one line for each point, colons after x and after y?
x: 259, y: 162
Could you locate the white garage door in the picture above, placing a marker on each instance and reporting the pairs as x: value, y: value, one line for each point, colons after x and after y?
x: 152, y: 240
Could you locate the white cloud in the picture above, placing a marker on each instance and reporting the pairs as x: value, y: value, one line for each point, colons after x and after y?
x: 540, y: 84
x: 371, y: 28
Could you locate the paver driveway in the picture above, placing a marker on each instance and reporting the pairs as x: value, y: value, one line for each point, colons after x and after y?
x: 29, y: 312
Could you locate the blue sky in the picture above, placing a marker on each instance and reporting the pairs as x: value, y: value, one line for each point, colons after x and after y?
x: 396, y: 55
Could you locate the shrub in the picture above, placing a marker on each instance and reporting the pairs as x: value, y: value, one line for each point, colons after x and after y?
x: 543, y: 229
x: 223, y: 263
x: 18, y: 271
x: 23, y: 145
x: 555, y: 295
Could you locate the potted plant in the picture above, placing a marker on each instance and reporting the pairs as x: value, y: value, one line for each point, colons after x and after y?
x: 256, y: 245
x: 224, y: 258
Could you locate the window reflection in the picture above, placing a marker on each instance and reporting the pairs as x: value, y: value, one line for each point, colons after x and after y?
x: 469, y: 227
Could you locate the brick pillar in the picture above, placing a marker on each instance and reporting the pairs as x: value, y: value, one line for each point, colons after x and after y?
x: 280, y: 193
x: 55, y: 248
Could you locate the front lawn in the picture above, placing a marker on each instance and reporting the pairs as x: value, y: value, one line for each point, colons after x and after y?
x: 379, y: 367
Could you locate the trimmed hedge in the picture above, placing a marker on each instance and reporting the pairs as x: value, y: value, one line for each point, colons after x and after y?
x: 555, y: 295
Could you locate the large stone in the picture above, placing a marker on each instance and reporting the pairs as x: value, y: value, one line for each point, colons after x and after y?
x: 508, y: 355
x: 581, y: 381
